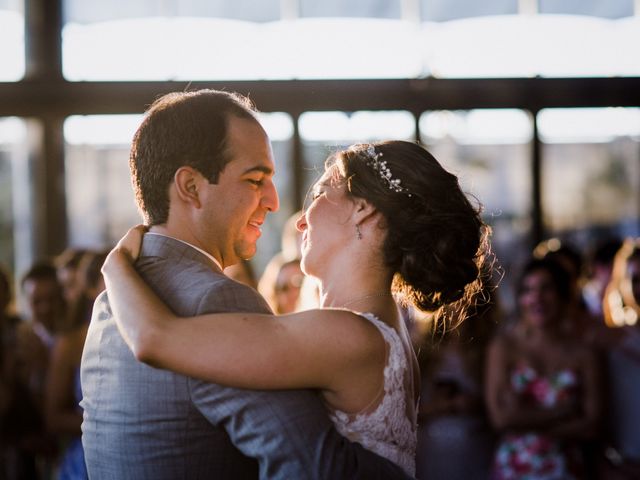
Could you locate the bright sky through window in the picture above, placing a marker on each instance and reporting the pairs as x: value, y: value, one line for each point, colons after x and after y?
x: 474, y: 127
x: 12, y: 130
x: 119, y: 129
x: 359, y: 126
x: 162, y: 48
x: 566, y: 125
x: 11, y: 46
x: 201, y: 48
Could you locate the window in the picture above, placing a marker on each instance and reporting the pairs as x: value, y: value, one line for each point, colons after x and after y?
x: 591, y: 172
x: 444, y: 10
x: 323, y: 133
x: 364, y: 39
x: 11, y: 40
x: 100, y: 201
x: 597, y: 8
x: 15, y: 241
x: 544, y: 45
x: 353, y: 8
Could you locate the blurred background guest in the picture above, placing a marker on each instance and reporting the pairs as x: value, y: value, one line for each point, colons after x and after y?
x: 622, y: 310
x: 600, y: 268
x: 63, y: 394
x: 453, y: 419
x: 543, y: 385
x: 16, y: 460
x: 43, y: 314
x: 67, y: 265
x: 242, y: 272
x: 280, y: 284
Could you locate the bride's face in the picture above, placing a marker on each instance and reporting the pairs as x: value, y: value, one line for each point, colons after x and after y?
x: 326, y: 226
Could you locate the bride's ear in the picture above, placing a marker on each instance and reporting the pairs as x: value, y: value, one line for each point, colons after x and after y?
x: 363, y: 211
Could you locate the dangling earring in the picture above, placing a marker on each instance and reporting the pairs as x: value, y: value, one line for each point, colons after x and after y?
x: 358, y: 232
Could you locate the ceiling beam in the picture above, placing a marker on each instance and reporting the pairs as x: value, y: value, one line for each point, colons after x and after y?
x: 62, y: 98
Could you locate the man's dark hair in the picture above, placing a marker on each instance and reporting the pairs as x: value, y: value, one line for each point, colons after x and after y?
x: 181, y: 129
x: 42, y: 270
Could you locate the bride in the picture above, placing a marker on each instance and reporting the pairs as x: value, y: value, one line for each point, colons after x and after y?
x: 385, y: 220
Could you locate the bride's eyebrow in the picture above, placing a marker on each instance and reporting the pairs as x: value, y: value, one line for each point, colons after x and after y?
x: 323, y: 183
x: 319, y: 186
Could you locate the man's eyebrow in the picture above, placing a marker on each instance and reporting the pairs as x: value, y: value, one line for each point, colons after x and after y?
x: 259, y: 168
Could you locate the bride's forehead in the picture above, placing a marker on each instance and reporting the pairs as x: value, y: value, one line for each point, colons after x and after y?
x: 330, y: 177
x: 328, y: 184
x: 323, y: 182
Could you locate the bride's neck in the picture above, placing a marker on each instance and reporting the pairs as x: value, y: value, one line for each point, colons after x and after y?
x: 353, y: 289
x: 349, y: 276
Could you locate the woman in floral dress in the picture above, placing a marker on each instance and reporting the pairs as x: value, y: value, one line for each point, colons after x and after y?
x: 543, y: 384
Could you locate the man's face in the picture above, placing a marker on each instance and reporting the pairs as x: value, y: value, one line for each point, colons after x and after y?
x: 234, y: 209
x: 44, y: 300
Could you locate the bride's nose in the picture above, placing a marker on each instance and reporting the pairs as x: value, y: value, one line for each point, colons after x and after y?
x: 301, y: 223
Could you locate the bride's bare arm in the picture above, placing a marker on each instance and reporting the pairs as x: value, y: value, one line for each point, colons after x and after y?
x: 304, y: 350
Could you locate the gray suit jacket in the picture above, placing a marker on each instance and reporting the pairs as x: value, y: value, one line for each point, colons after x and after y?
x: 141, y: 422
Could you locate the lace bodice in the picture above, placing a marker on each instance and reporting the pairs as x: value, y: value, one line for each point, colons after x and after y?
x: 387, y: 430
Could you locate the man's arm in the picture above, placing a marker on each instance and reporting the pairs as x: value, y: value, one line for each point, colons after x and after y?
x: 289, y: 432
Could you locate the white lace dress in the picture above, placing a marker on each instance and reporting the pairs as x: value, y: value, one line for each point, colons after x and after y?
x: 390, y: 429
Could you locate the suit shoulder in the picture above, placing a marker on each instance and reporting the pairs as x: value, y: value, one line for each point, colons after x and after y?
x: 192, y: 287
x: 227, y: 295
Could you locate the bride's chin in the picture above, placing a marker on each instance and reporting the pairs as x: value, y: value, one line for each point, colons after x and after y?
x: 303, y: 265
x: 306, y: 265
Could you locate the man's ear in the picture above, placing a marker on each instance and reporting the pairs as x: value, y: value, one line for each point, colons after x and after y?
x: 186, y: 180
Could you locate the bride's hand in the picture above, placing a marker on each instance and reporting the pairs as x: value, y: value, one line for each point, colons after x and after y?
x: 127, y: 250
x: 130, y: 244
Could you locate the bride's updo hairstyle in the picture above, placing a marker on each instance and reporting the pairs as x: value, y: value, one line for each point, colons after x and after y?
x: 436, y: 242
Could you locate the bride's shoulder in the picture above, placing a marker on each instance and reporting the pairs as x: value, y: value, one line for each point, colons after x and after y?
x: 346, y: 326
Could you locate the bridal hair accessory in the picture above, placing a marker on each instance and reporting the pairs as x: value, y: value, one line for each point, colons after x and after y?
x: 380, y: 166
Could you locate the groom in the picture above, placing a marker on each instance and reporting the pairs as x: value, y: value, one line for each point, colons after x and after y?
x: 202, y: 171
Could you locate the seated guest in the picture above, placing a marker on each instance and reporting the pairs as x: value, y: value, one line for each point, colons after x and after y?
x: 543, y: 385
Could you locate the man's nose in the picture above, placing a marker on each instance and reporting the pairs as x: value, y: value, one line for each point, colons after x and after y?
x: 270, y: 198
